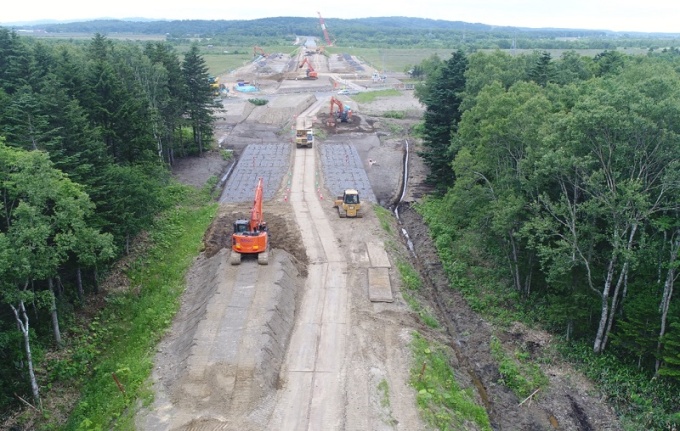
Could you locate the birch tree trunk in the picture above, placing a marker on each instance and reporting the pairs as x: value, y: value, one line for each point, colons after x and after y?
x: 22, y: 323
x: 622, y: 281
x: 55, y: 315
x: 667, y: 296
x: 604, y: 311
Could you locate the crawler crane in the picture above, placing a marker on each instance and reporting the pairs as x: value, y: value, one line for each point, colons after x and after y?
x: 251, y: 236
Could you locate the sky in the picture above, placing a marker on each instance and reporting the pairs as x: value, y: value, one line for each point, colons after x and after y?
x: 620, y: 15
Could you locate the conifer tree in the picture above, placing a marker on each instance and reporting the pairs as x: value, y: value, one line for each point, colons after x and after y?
x: 442, y: 114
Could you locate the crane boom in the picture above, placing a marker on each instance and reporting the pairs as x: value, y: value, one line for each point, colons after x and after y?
x: 325, y: 31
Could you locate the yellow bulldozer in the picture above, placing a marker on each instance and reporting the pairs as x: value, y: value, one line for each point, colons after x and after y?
x: 348, y: 204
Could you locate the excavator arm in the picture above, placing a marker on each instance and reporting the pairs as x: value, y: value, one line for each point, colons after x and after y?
x: 256, y: 218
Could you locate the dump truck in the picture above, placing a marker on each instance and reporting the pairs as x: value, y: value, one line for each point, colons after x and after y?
x: 349, y: 204
x: 304, y: 134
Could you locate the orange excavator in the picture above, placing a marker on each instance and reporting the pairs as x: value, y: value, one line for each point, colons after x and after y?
x: 311, y: 73
x: 343, y: 114
x: 258, y: 51
x: 251, y: 236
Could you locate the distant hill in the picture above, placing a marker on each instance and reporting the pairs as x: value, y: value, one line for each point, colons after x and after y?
x: 272, y: 26
x: 394, y: 31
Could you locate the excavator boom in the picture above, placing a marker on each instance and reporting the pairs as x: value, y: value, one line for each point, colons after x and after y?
x: 256, y: 212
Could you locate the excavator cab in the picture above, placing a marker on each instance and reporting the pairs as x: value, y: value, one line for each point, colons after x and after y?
x: 241, y: 226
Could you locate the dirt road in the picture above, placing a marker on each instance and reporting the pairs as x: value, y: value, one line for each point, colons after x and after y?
x: 312, y: 398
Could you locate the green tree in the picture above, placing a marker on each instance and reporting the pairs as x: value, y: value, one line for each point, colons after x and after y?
x: 572, y: 67
x: 442, y: 114
x: 486, y: 68
x: 609, y: 160
x: 199, y: 98
x: 44, y: 214
x: 542, y: 70
x: 496, y: 135
x: 169, y: 101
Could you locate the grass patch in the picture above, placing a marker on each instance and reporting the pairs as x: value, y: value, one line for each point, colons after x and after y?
x: 227, y: 154
x: 122, y: 338
x: 397, y: 59
x: 517, y: 373
x: 399, y: 115
x: 427, y: 317
x: 384, y: 391
x: 258, y: 102
x: 412, y: 282
x: 409, y: 276
x: 442, y: 403
x: 370, y: 96
x: 221, y: 59
x: 384, y: 217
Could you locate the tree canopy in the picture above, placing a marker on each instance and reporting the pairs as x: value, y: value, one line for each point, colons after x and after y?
x: 87, y: 134
x: 567, y: 185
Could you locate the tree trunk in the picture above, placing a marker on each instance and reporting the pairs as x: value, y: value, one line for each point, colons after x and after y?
x: 22, y: 323
x: 55, y: 315
x: 622, y: 281
x: 96, y: 280
x: 79, y: 281
x: 515, y: 264
x: 604, y: 311
x: 615, y: 303
x: 666, y: 298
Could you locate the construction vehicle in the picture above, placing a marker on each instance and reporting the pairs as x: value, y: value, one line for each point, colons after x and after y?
x: 343, y: 114
x: 348, y: 204
x: 304, y: 134
x: 251, y: 236
x: 214, y: 84
x: 326, y: 36
x: 311, y: 73
x: 258, y: 51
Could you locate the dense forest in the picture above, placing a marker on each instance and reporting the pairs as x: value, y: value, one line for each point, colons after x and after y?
x: 87, y: 135
x: 559, y: 197
x: 386, y: 32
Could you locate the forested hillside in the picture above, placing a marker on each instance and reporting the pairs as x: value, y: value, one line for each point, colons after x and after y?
x: 384, y: 32
x: 559, y: 199
x: 87, y: 133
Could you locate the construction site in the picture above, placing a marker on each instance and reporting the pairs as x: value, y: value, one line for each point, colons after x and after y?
x: 318, y: 336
